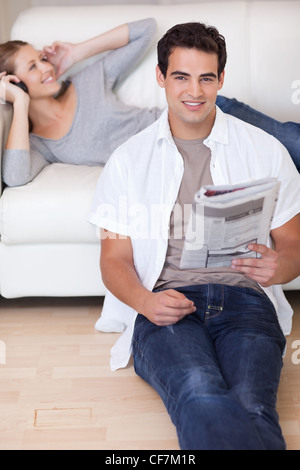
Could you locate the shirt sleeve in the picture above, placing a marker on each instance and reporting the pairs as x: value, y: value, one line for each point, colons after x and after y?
x: 109, y: 208
x: 120, y: 62
x: 21, y: 166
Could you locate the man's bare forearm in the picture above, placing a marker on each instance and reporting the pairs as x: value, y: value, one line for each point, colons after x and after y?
x: 120, y: 278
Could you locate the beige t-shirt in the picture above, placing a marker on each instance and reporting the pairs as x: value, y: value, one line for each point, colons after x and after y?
x: 196, y: 158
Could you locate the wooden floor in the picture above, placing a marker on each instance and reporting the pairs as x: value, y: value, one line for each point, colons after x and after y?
x: 57, y: 391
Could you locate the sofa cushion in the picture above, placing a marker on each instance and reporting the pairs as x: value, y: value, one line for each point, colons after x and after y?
x: 51, y: 208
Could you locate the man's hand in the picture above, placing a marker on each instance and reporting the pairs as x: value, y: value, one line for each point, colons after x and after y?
x: 167, y: 307
x: 263, y: 269
x: 277, y: 266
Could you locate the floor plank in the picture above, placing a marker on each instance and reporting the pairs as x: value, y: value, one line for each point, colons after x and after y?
x: 57, y: 391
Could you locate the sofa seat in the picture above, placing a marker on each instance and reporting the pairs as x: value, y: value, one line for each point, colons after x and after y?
x: 53, y: 208
x: 47, y: 246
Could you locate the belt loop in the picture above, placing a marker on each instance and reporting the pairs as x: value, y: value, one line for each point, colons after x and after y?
x: 215, y: 299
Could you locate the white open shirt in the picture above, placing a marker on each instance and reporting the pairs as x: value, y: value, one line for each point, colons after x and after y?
x: 146, y: 172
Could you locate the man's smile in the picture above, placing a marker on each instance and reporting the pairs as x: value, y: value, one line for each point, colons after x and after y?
x: 193, y: 104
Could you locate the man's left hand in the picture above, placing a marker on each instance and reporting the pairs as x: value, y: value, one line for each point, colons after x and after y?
x: 262, y: 269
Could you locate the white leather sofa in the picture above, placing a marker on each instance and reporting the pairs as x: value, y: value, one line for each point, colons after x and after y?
x: 47, y: 247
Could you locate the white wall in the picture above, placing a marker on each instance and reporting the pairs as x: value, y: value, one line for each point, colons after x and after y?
x: 10, y: 9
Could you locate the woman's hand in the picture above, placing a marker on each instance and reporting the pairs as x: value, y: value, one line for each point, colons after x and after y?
x: 9, y: 92
x: 18, y: 136
x: 61, y: 55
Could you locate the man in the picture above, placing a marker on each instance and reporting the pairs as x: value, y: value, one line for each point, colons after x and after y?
x: 207, y: 340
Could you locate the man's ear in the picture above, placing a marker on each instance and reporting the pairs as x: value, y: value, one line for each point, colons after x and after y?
x: 160, y: 77
x: 221, y: 80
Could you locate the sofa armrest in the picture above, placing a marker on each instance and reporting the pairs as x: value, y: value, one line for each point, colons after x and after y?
x: 5, y: 122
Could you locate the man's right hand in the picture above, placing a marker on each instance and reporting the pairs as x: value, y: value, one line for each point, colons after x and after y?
x: 119, y: 275
x: 167, y: 307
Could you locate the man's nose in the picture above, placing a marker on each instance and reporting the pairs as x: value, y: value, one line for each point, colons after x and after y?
x: 195, y: 88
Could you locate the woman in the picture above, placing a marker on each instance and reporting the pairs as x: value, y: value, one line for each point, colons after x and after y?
x: 81, y: 123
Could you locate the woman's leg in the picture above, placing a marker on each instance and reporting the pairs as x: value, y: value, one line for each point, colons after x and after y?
x: 288, y: 133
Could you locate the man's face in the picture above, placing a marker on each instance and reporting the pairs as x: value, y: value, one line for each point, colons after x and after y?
x: 191, y: 87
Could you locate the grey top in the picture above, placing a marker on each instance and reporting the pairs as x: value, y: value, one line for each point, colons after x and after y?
x: 101, y: 122
x: 197, y: 158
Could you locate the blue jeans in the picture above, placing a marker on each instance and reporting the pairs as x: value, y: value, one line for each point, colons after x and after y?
x: 288, y: 133
x: 218, y: 369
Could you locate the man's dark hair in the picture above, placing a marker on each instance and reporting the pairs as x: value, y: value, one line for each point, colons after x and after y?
x: 192, y: 36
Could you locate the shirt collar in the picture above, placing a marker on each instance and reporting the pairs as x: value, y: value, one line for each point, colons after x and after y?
x: 164, y: 131
x: 219, y: 132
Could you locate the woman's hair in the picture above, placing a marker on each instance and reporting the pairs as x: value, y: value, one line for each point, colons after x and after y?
x: 192, y: 36
x: 7, y: 53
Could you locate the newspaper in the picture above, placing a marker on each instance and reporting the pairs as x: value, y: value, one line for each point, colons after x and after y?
x: 225, y: 219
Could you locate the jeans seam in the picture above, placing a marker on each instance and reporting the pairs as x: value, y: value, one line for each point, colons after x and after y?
x: 217, y: 308
x: 157, y: 378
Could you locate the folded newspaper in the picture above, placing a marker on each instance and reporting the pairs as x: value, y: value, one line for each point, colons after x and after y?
x: 225, y: 219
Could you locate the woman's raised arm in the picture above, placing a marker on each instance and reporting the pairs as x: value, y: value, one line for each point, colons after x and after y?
x: 63, y: 55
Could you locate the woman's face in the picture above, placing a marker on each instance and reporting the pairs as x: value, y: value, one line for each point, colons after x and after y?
x: 32, y: 67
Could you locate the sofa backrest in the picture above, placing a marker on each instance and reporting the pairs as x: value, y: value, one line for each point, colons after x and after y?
x: 262, y: 37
